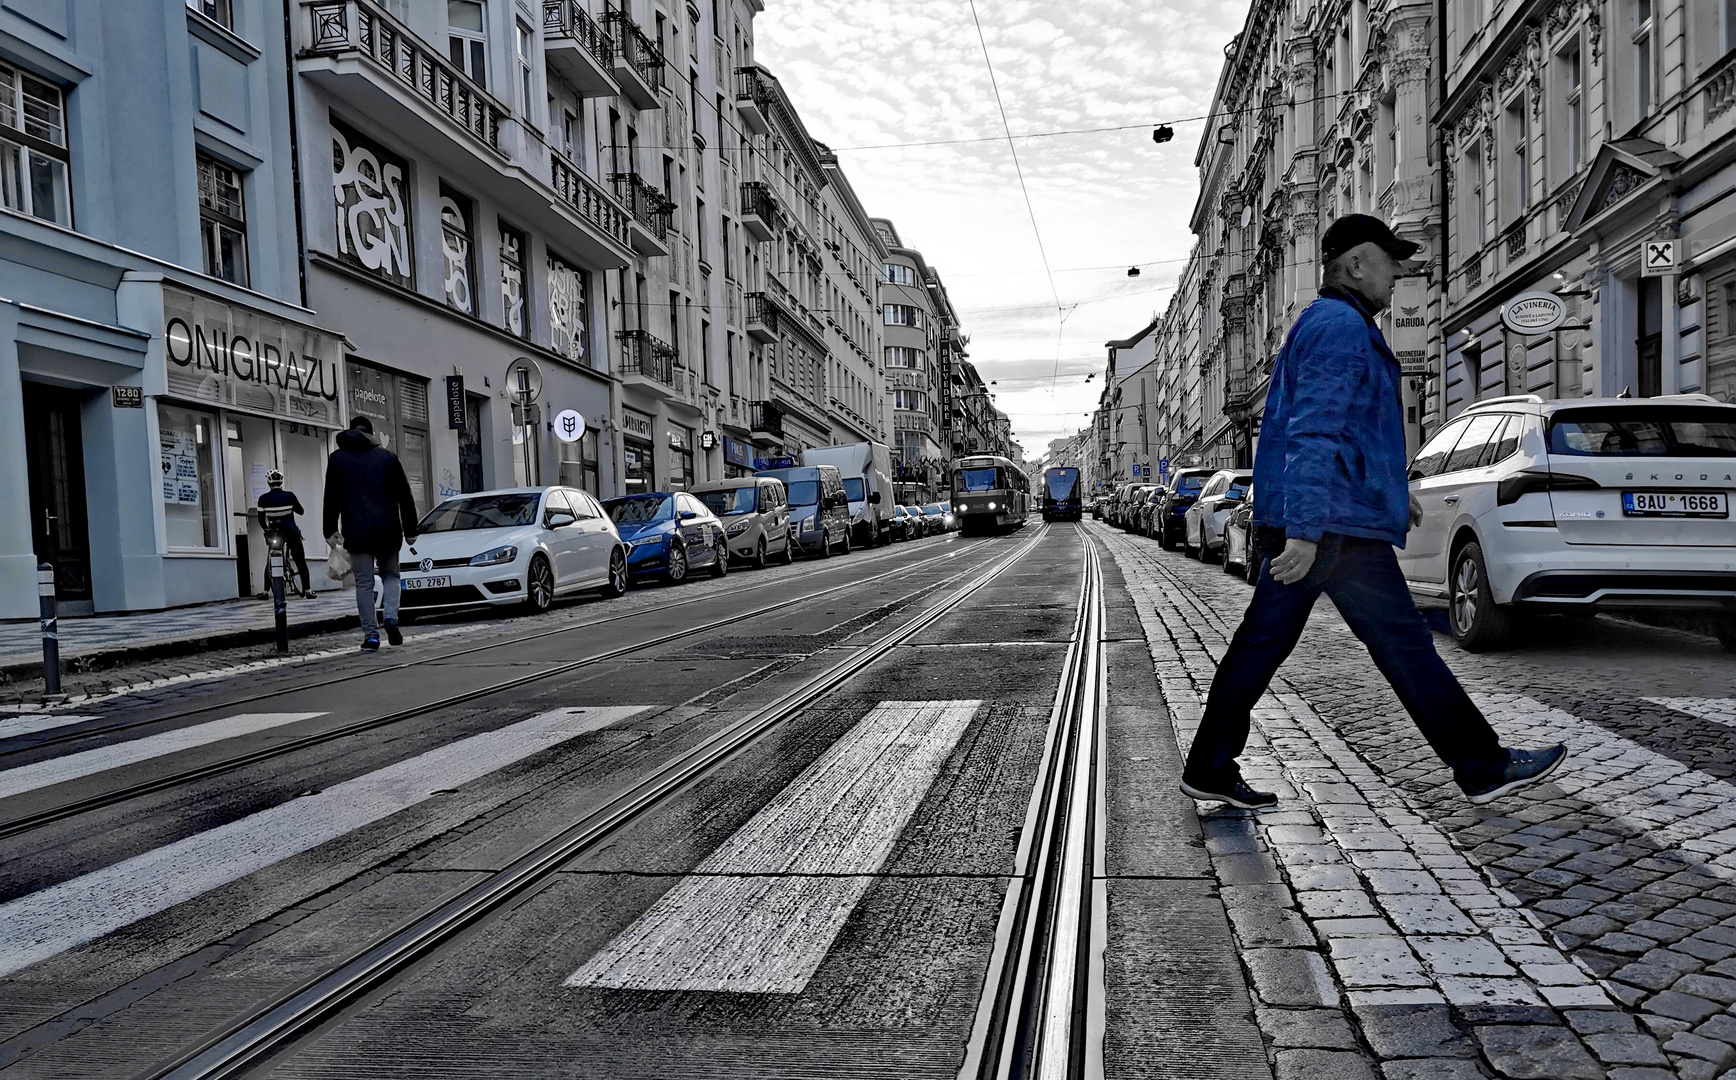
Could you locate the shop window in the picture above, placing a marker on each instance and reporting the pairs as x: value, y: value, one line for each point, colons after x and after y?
x: 397, y: 406
x: 512, y: 280
x: 190, y: 509
x: 680, y: 457
x: 33, y: 157
x: 221, y: 12
x: 578, y: 465
x: 569, y: 309
x: 457, y: 244
x: 222, y: 221
x: 466, y: 39
x: 373, y: 204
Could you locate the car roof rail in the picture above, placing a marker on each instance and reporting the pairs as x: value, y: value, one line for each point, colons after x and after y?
x: 1510, y: 399
x: 1688, y: 397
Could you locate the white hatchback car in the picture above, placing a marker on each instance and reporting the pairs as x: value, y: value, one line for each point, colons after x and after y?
x: 513, y: 546
x: 1586, y: 505
x: 1202, y: 527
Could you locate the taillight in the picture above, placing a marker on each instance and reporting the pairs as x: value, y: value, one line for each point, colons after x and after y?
x: 1529, y: 480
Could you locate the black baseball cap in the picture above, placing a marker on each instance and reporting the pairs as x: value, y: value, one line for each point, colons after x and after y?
x: 1353, y: 229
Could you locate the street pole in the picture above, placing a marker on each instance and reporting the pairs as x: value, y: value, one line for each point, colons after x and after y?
x: 50, y: 629
x: 279, y: 610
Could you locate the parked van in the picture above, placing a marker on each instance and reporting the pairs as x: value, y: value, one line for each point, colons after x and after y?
x: 755, y: 512
x: 819, y: 508
x: 867, y: 471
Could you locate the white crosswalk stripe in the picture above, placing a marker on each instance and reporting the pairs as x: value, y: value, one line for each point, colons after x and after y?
x: 41, y: 774
x: 1719, y: 710
x: 46, y: 923
x: 760, y: 914
x: 30, y: 723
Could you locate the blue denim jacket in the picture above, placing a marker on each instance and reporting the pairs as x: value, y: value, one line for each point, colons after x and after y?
x: 1331, y: 457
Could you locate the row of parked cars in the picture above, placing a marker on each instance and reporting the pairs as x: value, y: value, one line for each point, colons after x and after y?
x: 1529, y: 507
x: 527, y: 546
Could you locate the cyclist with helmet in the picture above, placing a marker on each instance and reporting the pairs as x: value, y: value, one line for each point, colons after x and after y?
x: 277, y: 510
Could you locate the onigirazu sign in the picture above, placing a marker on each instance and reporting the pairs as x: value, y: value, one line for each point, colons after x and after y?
x: 1534, y: 313
x: 237, y: 357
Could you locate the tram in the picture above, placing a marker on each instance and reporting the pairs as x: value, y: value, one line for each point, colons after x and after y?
x: 1061, y: 495
x: 989, y: 493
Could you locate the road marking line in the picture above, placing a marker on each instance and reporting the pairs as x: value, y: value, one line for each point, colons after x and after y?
x: 738, y: 923
x: 61, y: 917
x: 41, y: 774
x: 1719, y: 710
x: 30, y: 723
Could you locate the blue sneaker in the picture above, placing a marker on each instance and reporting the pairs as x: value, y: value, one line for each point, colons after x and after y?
x: 1523, y: 768
x: 371, y: 643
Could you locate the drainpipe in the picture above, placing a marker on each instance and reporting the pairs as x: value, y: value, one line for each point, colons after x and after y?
x: 294, y: 146
x: 1446, y: 209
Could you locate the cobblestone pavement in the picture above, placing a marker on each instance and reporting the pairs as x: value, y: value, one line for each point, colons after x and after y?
x: 1585, y: 928
x: 22, y: 640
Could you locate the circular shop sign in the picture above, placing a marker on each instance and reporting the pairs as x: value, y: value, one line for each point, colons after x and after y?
x: 1534, y: 313
x: 569, y: 425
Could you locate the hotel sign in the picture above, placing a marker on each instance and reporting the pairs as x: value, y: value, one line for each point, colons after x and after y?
x: 244, y: 359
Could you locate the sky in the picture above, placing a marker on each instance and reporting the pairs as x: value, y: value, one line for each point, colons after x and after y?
x: 900, y: 71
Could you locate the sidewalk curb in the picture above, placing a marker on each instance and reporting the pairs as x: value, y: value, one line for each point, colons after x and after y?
x: 13, y: 672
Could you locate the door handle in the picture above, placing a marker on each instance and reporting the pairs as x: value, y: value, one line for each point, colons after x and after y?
x: 1449, y: 499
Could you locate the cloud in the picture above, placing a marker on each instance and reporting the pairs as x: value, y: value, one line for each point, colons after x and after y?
x: 903, y: 71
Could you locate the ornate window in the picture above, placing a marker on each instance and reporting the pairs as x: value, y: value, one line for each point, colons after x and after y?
x: 569, y: 309
x: 373, y: 204
x: 512, y: 280
x: 33, y: 157
x: 222, y: 221
x: 457, y: 243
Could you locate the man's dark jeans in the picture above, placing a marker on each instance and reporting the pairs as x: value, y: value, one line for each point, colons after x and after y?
x: 1363, y: 579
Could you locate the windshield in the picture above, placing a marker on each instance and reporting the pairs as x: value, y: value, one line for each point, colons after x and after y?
x: 636, y: 509
x: 1190, y: 485
x: 853, y: 489
x: 1644, y: 431
x: 1062, y: 483
x: 977, y: 479
x: 932, y: 508
x: 804, y: 493
x: 482, y: 512
x: 741, y: 500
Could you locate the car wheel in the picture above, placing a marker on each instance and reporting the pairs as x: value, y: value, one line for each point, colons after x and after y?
x: 1251, y: 563
x: 789, y: 555
x: 1224, y: 560
x: 1478, y: 622
x: 759, y: 554
x: 677, y: 572
x: 1166, y: 538
x: 846, y: 550
x: 539, y: 593
x: 617, y: 583
x: 1187, y: 547
x: 1725, y: 628
x: 720, y: 559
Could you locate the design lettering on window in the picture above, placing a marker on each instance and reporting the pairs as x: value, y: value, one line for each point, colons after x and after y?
x: 512, y: 279
x: 373, y: 214
x: 455, y: 244
x: 567, y: 310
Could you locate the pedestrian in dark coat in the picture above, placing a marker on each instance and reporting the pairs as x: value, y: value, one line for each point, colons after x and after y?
x: 1331, y: 501
x: 368, y: 494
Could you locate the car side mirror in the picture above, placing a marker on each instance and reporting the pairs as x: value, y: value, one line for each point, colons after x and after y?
x: 874, y: 497
x: 558, y: 518
x: 1232, y: 496
x: 688, y: 515
x: 1414, y: 474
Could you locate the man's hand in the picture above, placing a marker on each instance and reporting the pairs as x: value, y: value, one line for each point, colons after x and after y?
x: 1293, y: 563
x: 1416, y: 511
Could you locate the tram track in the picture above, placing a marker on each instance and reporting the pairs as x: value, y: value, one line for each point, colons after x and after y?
x: 271, y: 1030
x: 507, y: 643
x: 114, y: 796
x: 1040, y: 1016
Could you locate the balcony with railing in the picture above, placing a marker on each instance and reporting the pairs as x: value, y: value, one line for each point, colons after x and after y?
x: 578, y: 49
x: 761, y: 319
x: 587, y: 198
x: 759, y: 211
x: 356, y: 49
x: 648, y: 361
x: 753, y: 100
x: 638, y: 61
x: 765, y: 420
x: 649, y: 213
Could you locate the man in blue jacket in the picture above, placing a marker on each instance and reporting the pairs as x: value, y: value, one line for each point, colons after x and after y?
x: 367, y: 492
x: 1331, y: 500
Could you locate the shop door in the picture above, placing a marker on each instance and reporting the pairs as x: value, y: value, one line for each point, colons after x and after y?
x: 54, y: 449
x: 1649, y: 347
x: 470, y: 446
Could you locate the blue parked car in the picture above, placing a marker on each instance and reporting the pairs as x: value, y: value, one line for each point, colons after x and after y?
x: 669, y: 533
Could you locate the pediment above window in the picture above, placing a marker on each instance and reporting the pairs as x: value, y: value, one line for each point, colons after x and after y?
x: 1618, y: 172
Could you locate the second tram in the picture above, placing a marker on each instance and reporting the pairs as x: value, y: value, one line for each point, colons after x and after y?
x: 989, y: 493
x: 1061, y: 496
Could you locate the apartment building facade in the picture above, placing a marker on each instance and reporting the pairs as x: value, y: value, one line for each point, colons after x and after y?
x: 914, y: 321
x: 856, y: 405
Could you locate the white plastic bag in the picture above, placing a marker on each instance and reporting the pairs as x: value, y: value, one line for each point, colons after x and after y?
x: 339, y: 565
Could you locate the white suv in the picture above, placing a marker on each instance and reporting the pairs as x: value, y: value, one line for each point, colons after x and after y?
x: 1576, y: 506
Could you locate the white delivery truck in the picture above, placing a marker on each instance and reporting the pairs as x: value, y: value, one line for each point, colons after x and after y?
x: 867, y: 471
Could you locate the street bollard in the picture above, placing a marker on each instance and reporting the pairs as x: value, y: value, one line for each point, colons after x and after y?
x: 277, y: 604
x: 50, y: 629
